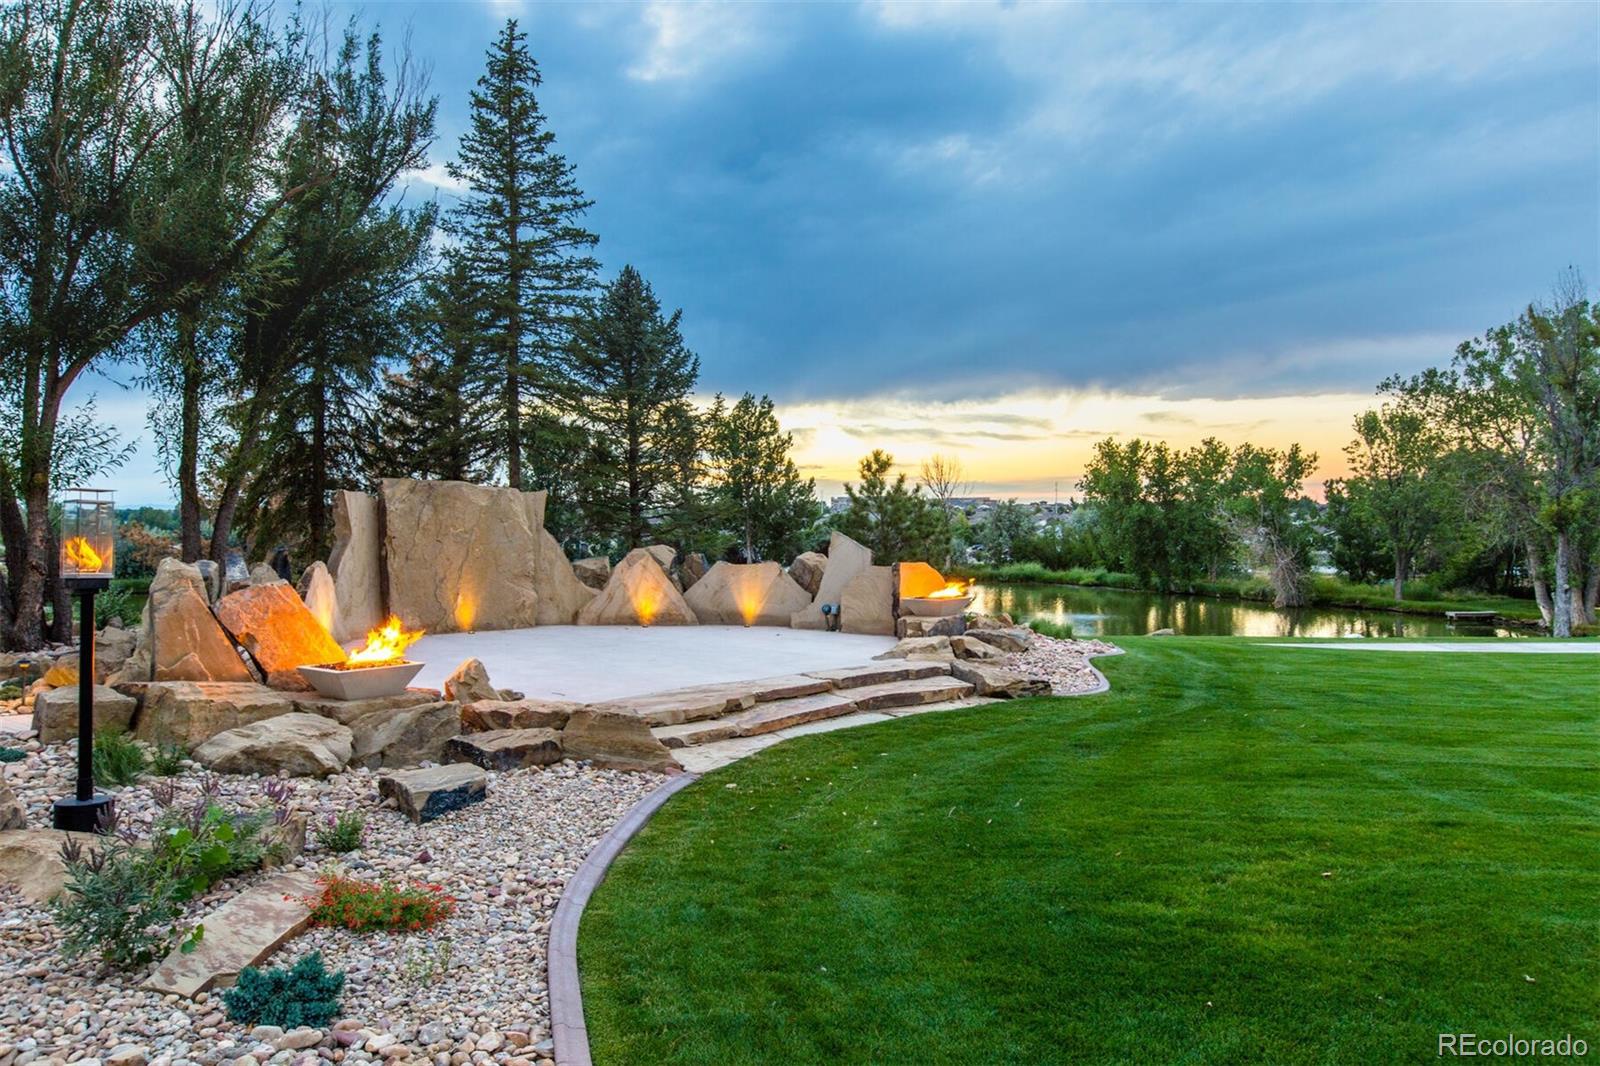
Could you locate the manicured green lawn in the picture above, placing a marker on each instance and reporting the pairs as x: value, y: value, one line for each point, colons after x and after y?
x: 1239, y: 854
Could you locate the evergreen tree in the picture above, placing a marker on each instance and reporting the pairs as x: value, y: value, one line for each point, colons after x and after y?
x: 754, y: 484
x: 892, y: 518
x: 520, y: 240
x: 631, y: 375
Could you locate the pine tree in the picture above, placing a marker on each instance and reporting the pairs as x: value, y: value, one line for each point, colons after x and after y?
x: 755, y: 486
x: 631, y: 375
x: 520, y: 240
x: 892, y: 518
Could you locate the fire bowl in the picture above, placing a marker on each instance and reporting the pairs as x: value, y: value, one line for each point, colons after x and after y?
x: 363, y: 682
x: 935, y: 606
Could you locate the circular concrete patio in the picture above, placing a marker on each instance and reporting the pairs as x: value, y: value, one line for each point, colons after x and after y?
x: 587, y: 664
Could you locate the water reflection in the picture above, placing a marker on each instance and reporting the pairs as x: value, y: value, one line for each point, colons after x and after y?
x: 1111, y: 612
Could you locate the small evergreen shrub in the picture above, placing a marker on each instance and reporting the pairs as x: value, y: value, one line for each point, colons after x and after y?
x: 362, y: 906
x: 118, y: 759
x: 115, y: 903
x: 12, y: 755
x: 167, y: 760
x: 305, y: 994
x: 343, y: 833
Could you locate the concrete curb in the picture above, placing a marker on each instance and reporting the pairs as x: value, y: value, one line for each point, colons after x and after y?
x: 567, y: 1027
x: 1105, y: 682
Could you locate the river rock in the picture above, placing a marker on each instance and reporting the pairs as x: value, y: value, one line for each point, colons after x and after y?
x: 485, y: 715
x: 55, y: 712
x: 987, y: 679
x: 807, y: 570
x: 615, y: 740
x: 867, y: 603
x: 184, y: 640
x: 319, y: 595
x: 189, y: 713
x: 759, y: 594
x: 298, y: 744
x: 593, y: 571
x: 846, y: 559
x: 506, y: 749
x: 281, y: 634
x: 458, y: 556
x: 356, y: 564
x: 404, y: 737
x: 428, y: 792
x: 639, y: 593
x: 561, y: 594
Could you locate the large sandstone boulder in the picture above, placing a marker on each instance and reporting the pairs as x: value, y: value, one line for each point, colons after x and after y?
x: 1015, y: 638
x: 692, y: 569
x: 807, y: 570
x: 470, y: 683
x: 973, y: 648
x: 665, y: 554
x: 182, y: 638
x: 921, y: 648
x: 460, y: 557
x: 916, y: 580
x: 189, y: 713
x: 430, y: 791
x: 31, y: 860
x: 55, y: 712
x: 639, y: 593
x: 867, y: 603
x: 506, y: 749
x: 301, y: 745
x: 12, y: 814
x: 561, y: 593
x: 272, y: 623
x: 321, y: 598
x: 404, y: 737
x: 615, y: 740
x: 951, y: 625
x: 113, y: 647
x: 846, y: 559
x: 593, y: 571
x: 751, y: 594
x: 987, y: 679
x: 496, y: 714
x: 356, y: 564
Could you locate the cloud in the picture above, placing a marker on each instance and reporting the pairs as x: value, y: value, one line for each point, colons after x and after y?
x: 687, y: 39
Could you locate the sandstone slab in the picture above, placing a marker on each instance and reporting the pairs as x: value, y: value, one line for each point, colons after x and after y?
x: 781, y: 714
x: 974, y: 648
x: 758, y: 594
x: 910, y: 693
x: 405, y: 736
x: 12, y: 814
x: 242, y: 932
x: 55, y: 712
x: 428, y: 792
x: 807, y: 570
x: 321, y: 598
x: 298, y: 744
x: 920, y: 648
x: 593, y: 571
x: 486, y: 715
x: 561, y: 594
x: 1009, y: 639
x: 470, y: 683
x: 683, y: 704
x: 184, y: 640
x: 615, y: 740
x: 913, y: 626
x: 506, y: 749
x: 347, y: 711
x: 846, y: 559
x: 848, y: 677
x: 31, y: 860
x: 867, y: 603
x: 987, y: 679
x: 189, y: 713
x: 279, y: 632
x: 356, y: 564
x: 639, y: 593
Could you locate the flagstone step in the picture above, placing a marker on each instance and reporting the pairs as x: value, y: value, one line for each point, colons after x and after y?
x: 910, y: 692
x: 763, y: 718
x: 240, y: 933
x: 881, y: 673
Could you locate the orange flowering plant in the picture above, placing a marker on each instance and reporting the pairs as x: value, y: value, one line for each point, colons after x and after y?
x: 362, y: 906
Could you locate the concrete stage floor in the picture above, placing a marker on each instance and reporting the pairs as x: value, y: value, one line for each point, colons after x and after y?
x: 592, y: 663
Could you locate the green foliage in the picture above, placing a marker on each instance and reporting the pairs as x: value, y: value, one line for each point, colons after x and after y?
x: 1006, y: 532
x: 756, y: 491
x: 117, y: 903
x: 303, y: 995
x: 118, y: 758
x: 892, y: 517
x: 1045, y: 627
x: 122, y: 603
x: 12, y: 755
x: 193, y: 848
x: 167, y: 760
x: 343, y: 832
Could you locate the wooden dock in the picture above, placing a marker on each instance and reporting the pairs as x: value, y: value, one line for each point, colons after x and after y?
x: 1471, y: 616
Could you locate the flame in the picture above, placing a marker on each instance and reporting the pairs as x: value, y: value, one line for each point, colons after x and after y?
x: 82, y: 557
x: 646, y: 602
x: 953, y: 591
x: 386, y: 644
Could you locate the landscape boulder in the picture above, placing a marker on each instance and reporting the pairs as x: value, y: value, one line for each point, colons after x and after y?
x: 242, y: 932
x: 846, y: 560
x: 951, y: 625
x: 593, y: 571
x: 113, y: 647
x: 347, y: 711
x: 263, y: 574
x: 999, y: 620
x: 182, y: 639
x: 758, y: 594
x: 279, y: 632
x: 914, y: 580
x: 867, y: 603
x: 31, y: 860
x: 426, y: 793
x: 298, y: 744
x: 55, y: 712
x: 694, y: 567
x: 916, y: 648
x: 189, y: 713
x: 615, y: 740
x: 459, y: 556
x: 807, y: 570
x: 235, y: 572
x: 665, y: 554
x: 317, y: 591
x: 506, y: 749
x: 561, y: 593
x: 470, y: 683
x: 496, y: 714
x: 973, y: 648
x: 404, y: 737
x: 1016, y: 638
x: 639, y: 593
x: 356, y: 564
x: 12, y: 814
x: 987, y: 679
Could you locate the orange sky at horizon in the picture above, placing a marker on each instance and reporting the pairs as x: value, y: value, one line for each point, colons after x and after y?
x: 1024, y: 445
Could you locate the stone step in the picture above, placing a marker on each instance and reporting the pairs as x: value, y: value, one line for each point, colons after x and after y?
x: 240, y: 933
x: 692, y: 734
x: 881, y: 673
x: 910, y: 692
x: 684, y: 704
x: 763, y: 718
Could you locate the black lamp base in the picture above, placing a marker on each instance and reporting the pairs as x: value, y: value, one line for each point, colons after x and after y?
x: 81, y: 816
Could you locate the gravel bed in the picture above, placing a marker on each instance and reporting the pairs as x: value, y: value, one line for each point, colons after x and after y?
x: 1065, y: 663
x: 472, y: 990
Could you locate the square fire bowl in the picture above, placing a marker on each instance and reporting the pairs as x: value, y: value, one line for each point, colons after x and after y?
x: 934, y: 606
x: 363, y: 682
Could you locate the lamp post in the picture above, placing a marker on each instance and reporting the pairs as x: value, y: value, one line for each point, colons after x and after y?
x: 88, y: 520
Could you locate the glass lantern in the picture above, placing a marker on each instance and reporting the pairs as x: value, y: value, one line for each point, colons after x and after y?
x: 88, y: 530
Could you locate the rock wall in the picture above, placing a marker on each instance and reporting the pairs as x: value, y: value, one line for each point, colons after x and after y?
x: 846, y: 559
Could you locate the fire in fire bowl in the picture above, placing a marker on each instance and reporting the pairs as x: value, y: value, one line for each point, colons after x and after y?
x: 341, y: 682
x: 934, y: 606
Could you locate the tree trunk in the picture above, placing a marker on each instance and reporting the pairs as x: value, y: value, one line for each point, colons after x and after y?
x: 189, y: 440
x: 317, y: 505
x: 29, y: 624
x: 1541, y: 587
x: 1591, y: 593
x: 1561, y: 619
x: 1401, y: 565
x: 14, y: 537
x: 60, y: 598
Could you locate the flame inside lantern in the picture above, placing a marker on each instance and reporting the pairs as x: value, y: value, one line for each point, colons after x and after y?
x: 385, y: 644
x: 954, y: 590
x: 82, y: 557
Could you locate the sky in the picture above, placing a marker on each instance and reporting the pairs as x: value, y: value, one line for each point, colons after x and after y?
x: 1002, y: 232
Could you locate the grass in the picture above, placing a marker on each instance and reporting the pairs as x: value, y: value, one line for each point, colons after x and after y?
x: 1325, y: 591
x: 118, y: 759
x: 1239, y: 854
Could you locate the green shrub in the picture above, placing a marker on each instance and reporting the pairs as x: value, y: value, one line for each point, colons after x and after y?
x: 343, y: 833
x: 305, y: 994
x: 197, y: 848
x: 1045, y: 627
x: 120, y: 602
x: 167, y: 760
x: 12, y: 755
x: 115, y: 902
x: 118, y: 759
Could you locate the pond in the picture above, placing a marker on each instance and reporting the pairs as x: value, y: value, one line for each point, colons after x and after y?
x: 1096, y: 612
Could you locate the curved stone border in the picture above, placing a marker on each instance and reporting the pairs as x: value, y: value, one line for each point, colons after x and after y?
x: 1105, y: 682
x: 567, y: 1027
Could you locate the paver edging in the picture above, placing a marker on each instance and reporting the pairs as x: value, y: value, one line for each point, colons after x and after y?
x: 567, y: 1027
